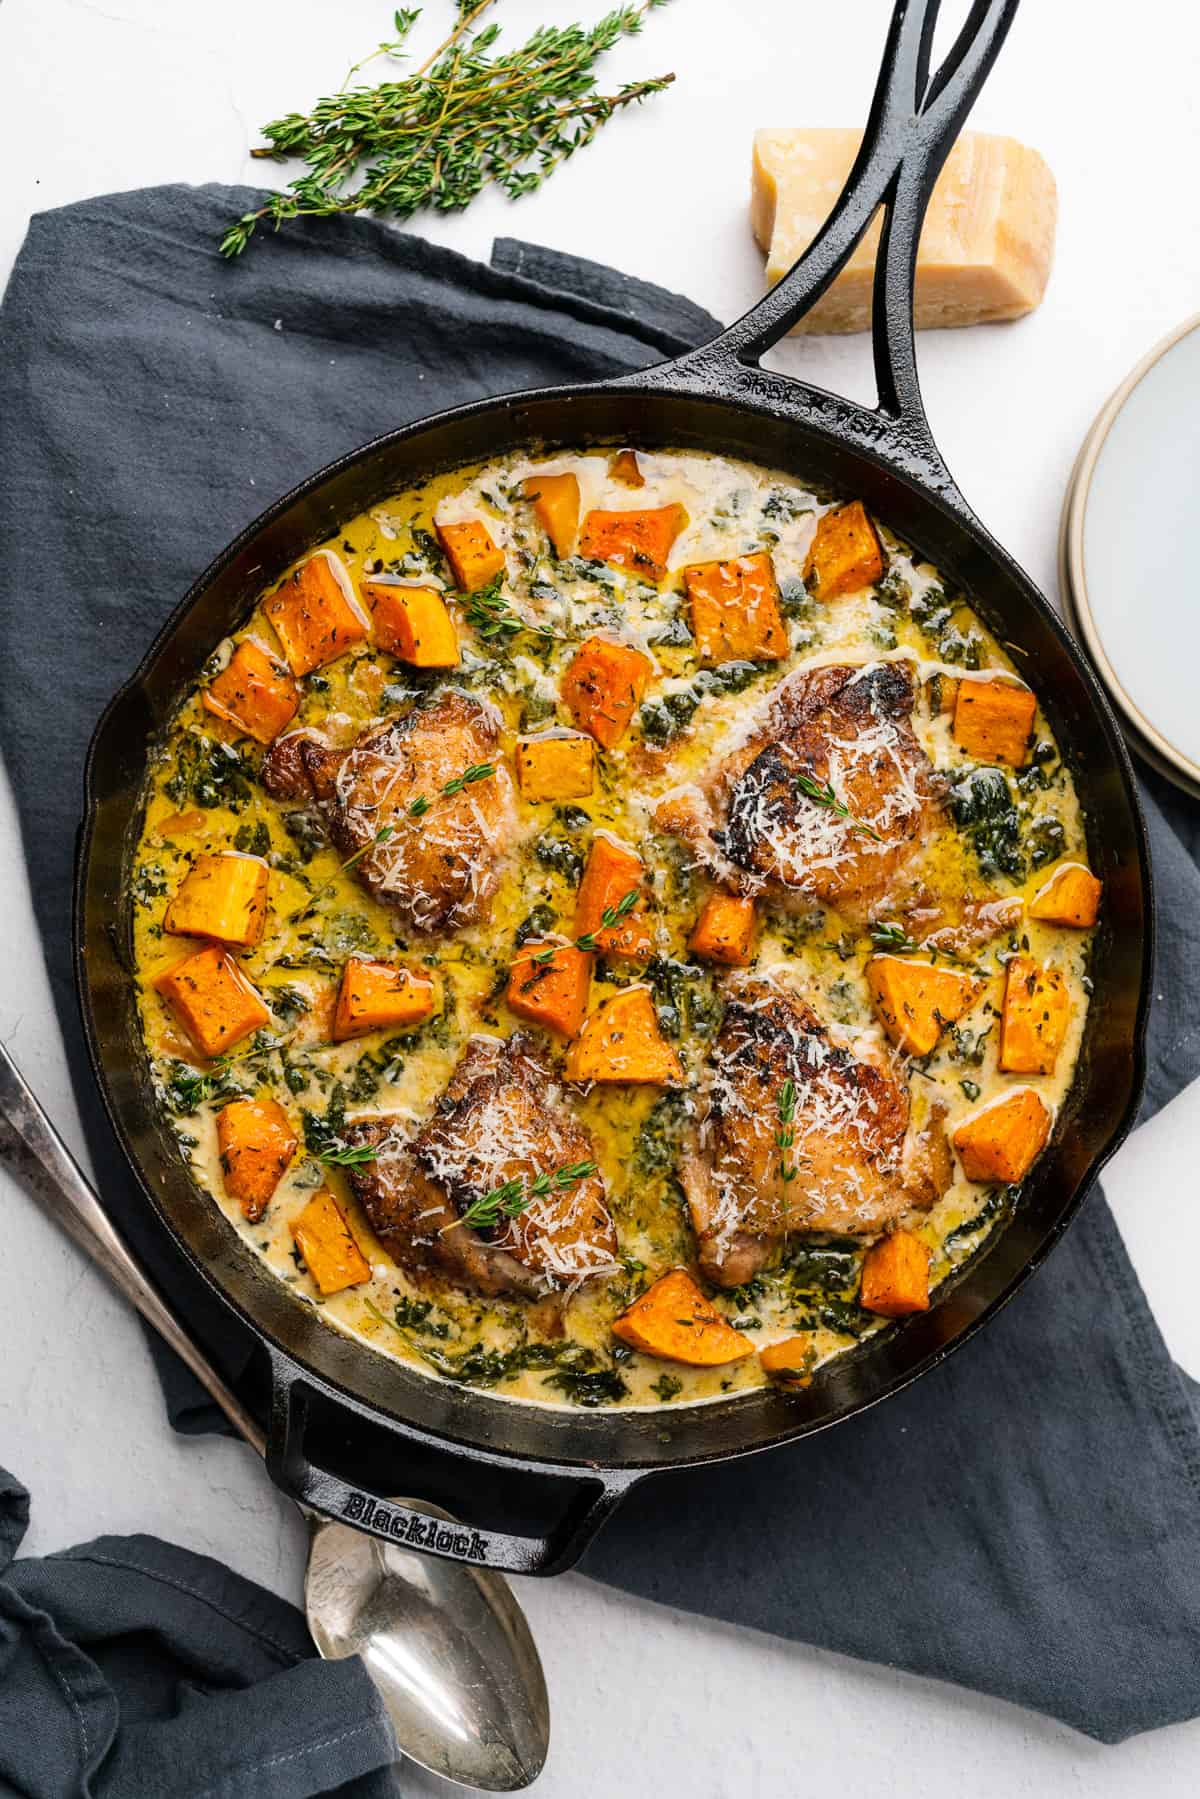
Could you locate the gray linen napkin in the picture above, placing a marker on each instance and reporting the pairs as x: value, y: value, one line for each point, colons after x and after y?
x: 1026, y: 1520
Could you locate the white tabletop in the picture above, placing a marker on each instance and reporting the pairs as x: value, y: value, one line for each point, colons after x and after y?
x: 108, y: 94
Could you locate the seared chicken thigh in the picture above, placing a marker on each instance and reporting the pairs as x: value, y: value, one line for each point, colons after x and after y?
x: 436, y: 866
x: 827, y: 801
x: 799, y: 1133
x: 500, y: 1120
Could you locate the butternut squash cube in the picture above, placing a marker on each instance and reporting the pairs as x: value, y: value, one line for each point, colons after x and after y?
x: 1003, y: 1139
x: 253, y: 692
x: 327, y: 1244
x: 223, y: 896
x: 556, y: 766
x: 791, y: 1361
x: 640, y: 541
x: 551, y: 992
x: 603, y: 687
x: 212, y: 999
x: 412, y: 623
x: 993, y: 721
x: 1034, y: 1019
x: 1071, y: 896
x: 845, y: 554
x: 555, y: 502
x: 724, y: 931
x: 474, y: 556
x: 257, y: 1144
x: 735, y: 610
x: 621, y: 1042
x: 916, y: 1001
x: 674, y: 1322
x: 895, y: 1276
x: 313, y: 614
x: 612, y: 871
x: 624, y: 467
x: 374, y: 996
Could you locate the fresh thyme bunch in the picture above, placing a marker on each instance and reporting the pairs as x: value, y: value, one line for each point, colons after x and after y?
x: 464, y: 119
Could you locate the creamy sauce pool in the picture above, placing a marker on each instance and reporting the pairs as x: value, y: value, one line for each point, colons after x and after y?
x: 203, y: 795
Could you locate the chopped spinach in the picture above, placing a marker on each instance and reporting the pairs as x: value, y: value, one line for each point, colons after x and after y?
x: 559, y: 854
x: 323, y: 1130
x: 536, y: 923
x: 657, y: 1147
x: 667, y: 1387
x: 209, y: 773
x: 253, y: 840
x: 186, y: 1091
x: 1046, y: 841
x: 998, y: 1204
x: 414, y: 1315
x: 149, y: 883
x: 983, y: 807
x: 306, y: 832
x: 824, y: 1265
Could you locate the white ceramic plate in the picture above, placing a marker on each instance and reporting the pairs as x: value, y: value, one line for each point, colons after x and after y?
x: 1130, y: 552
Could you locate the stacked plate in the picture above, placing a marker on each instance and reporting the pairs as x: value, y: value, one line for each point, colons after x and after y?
x: 1129, y: 553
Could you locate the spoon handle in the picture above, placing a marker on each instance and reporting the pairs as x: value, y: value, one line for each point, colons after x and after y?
x: 32, y: 1147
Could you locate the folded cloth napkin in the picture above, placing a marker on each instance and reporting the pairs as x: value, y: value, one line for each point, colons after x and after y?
x: 130, y: 1669
x: 1025, y: 1520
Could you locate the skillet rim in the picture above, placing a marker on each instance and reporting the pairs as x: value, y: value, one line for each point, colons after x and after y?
x: 644, y: 386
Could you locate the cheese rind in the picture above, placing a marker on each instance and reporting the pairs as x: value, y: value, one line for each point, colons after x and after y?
x: 986, y: 246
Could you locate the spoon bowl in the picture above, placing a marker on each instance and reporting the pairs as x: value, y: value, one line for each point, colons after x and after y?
x: 447, y: 1646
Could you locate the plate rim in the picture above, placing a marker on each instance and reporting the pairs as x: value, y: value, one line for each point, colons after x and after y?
x: 1148, y: 740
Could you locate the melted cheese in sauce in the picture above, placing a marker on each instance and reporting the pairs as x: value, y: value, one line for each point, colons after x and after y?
x: 320, y: 913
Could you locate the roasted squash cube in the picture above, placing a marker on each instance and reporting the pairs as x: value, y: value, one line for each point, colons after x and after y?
x: 603, y: 687
x: 474, y: 556
x: 735, y: 610
x: 412, y: 623
x: 327, y: 1245
x: 1071, y: 896
x: 212, y: 999
x: 791, y: 1360
x: 1003, y: 1139
x: 640, y: 541
x: 993, y: 721
x: 548, y: 985
x: 223, y: 896
x: 555, y: 502
x: 253, y: 692
x: 556, y: 766
x: 895, y: 1276
x: 621, y: 1042
x: 916, y: 1001
x: 613, y: 871
x: 314, y: 614
x: 375, y: 996
x: 845, y: 554
x: 257, y: 1144
x: 724, y: 931
x: 624, y: 467
x: 1034, y: 1019
x: 673, y: 1321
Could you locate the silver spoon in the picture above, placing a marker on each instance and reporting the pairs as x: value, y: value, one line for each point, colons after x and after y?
x: 447, y: 1646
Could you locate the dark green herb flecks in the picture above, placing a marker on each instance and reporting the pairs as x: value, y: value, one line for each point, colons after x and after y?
x: 209, y: 773
x: 983, y: 807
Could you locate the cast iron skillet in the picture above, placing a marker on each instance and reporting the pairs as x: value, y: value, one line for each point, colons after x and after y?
x: 346, y: 1424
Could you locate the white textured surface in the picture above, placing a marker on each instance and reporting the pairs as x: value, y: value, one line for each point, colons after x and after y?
x: 107, y: 94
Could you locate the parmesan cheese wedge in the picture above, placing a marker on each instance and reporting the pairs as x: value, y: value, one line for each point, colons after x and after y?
x: 986, y: 246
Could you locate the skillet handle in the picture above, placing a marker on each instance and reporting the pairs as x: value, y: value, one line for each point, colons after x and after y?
x: 588, y: 1497
x: 911, y: 128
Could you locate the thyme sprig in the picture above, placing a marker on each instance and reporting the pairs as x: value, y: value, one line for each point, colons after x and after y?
x: 512, y: 1198
x: 785, y: 1136
x: 348, y: 1155
x: 464, y: 119
x: 493, y: 619
x: 382, y: 835
x: 822, y: 794
x: 611, y: 915
x: 478, y: 771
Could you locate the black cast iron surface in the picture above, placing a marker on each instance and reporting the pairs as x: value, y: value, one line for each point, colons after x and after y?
x: 534, y: 1481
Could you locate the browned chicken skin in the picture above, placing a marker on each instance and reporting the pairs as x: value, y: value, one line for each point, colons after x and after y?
x: 847, y: 731
x: 438, y: 868
x: 853, y: 1164
x: 499, y: 1120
